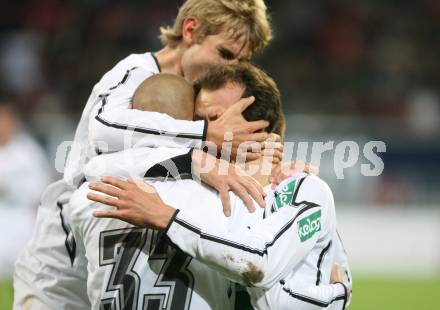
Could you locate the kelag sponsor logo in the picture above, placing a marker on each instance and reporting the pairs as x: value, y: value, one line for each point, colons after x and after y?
x: 309, y: 225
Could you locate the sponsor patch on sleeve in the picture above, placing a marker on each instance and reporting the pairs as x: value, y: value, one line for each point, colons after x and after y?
x: 309, y: 226
x: 285, y: 195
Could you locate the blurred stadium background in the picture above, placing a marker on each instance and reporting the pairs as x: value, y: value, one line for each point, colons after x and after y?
x: 348, y: 71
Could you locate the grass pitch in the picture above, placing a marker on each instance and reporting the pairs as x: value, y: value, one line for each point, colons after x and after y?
x: 6, y: 294
x: 368, y: 294
x: 395, y: 294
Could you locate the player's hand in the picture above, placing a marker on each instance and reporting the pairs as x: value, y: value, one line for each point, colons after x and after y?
x: 338, y: 276
x: 232, y: 123
x: 136, y: 202
x: 225, y: 177
x: 272, y: 147
x: 289, y: 169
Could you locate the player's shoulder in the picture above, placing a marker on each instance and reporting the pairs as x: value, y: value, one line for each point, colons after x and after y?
x: 314, y: 186
x: 145, y: 61
x: 140, y: 65
x: 78, y: 202
x: 304, y: 188
x: 318, y: 184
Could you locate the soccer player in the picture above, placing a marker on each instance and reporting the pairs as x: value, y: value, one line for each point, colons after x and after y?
x: 48, y: 273
x: 202, y: 204
x: 285, y: 259
x: 90, y: 233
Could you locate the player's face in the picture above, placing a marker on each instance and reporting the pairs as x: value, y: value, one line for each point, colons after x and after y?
x: 211, y: 104
x: 213, y: 50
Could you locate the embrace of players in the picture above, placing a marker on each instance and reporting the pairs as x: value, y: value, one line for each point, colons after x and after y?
x: 185, y: 141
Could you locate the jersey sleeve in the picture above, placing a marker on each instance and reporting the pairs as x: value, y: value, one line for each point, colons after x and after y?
x: 341, y: 258
x: 114, y: 126
x: 299, y: 296
x: 261, y: 254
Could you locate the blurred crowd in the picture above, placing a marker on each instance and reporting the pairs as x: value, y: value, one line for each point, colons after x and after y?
x: 369, y: 64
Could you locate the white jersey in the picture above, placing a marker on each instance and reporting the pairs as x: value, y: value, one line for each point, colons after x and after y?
x: 136, y: 268
x: 293, y: 284
x: 285, y: 259
x: 107, y: 124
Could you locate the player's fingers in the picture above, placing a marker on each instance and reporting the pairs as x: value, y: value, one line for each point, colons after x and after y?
x: 259, y: 187
x: 272, y: 157
x: 106, y: 214
x: 224, y: 196
x: 114, y: 202
x: 134, y: 182
x: 247, y: 147
x: 241, y: 192
x: 253, y: 191
x: 119, y: 183
x: 249, y: 141
x: 277, y: 156
x: 105, y: 189
x: 244, y: 103
x: 252, y: 127
x: 243, y: 145
x: 243, y: 157
x: 143, y: 185
x: 271, y: 145
x: 274, y: 137
x: 275, y: 160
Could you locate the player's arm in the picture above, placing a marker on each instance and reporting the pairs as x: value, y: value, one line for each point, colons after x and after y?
x: 115, y: 126
x: 265, y: 253
x: 316, y: 297
x: 136, y: 163
x: 259, y: 256
x: 341, y: 259
x: 178, y: 163
x: 295, y: 294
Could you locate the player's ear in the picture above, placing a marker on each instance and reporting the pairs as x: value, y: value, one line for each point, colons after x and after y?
x: 189, y: 26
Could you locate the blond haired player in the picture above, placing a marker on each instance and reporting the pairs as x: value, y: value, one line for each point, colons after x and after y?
x: 49, y: 274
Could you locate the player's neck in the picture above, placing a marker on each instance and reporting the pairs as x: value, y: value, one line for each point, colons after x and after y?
x: 170, y: 60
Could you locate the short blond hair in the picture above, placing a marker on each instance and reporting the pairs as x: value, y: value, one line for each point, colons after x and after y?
x: 245, y: 18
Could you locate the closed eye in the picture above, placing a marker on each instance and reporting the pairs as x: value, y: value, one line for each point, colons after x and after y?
x: 226, y: 54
